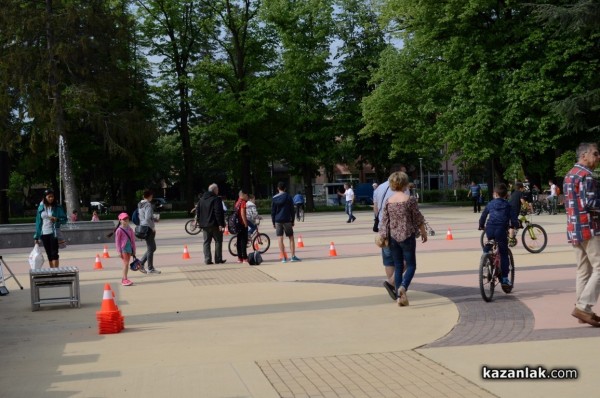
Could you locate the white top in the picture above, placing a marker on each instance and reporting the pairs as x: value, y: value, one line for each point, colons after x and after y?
x: 553, y: 190
x: 349, y: 195
x: 47, y: 224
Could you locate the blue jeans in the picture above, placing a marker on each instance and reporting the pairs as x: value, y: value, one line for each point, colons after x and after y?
x: 500, y: 235
x: 349, y: 210
x: 404, y: 251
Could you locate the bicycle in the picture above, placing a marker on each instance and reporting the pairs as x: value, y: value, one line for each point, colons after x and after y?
x: 533, y: 237
x: 259, y: 241
x: 299, y: 212
x: 192, y: 227
x: 490, y: 272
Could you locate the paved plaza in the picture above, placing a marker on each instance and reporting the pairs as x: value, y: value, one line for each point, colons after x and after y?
x: 323, y: 327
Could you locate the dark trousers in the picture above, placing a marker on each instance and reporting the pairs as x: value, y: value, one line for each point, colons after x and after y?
x: 476, y: 204
x: 500, y: 235
x: 51, y: 246
x: 150, y: 249
x: 242, y: 243
x: 209, y: 234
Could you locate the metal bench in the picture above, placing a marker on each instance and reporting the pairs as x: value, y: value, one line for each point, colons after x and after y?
x: 54, y: 277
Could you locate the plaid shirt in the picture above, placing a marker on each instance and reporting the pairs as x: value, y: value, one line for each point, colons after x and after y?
x: 582, y: 203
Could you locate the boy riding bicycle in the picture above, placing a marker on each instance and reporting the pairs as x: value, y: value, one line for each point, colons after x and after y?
x: 501, y: 217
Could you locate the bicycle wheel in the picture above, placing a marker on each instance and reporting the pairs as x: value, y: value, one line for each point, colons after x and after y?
x: 537, y: 207
x: 233, y: 246
x: 302, y: 215
x: 534, y: 238
x: 482, y: 239
x: 192, y: 228
x: 487, y: 279
x: 261, y: 243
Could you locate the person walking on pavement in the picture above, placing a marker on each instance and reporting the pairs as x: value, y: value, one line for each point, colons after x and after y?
x: 211, y: 218
x: 349, y: 194
x: 475, y: 195
x: 282, y: 215
x: 148, y: 219
x: 582, y: 205
x: 380, y: 197
x: 400, y: 222
x: 553, y: 197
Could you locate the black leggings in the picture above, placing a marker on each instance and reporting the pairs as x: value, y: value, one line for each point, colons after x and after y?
x: 51, y: 246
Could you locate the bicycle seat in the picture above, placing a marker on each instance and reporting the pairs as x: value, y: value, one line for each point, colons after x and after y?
x: 490, y: 244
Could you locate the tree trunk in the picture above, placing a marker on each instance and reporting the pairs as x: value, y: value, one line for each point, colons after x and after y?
x: 67, y: 177
x: 184, y: 132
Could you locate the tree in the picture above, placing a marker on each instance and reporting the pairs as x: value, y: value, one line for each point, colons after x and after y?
x: 72, y: 72
x: 305, y: 30
x: 173, y: 31
x: 362, y: 42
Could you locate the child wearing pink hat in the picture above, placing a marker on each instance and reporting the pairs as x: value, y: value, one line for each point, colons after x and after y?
x: 125, y: 242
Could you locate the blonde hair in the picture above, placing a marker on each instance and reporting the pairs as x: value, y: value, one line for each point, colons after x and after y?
x: 398, y: 181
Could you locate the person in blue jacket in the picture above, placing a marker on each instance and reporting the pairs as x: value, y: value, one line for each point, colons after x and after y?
x: 501, y: 218
x: 48, y: 219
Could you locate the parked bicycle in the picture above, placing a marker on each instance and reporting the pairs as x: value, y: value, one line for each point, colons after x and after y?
x: 533, y: 237
x: 490, y: 272
x: 192, y: 227
x: 258, y: 241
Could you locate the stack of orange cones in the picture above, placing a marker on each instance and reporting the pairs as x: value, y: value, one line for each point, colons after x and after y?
x: 226, y: 231
x: 110, y: 319
x: 300, y: 243
x: 186, y: 253
x: 332, y: 252
x: 449, y: 234
x: 97, y: 264
x: 105, y: 252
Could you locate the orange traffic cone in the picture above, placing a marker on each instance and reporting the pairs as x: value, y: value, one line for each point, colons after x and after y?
x: 186, y: 253
x: 108, y: 300
x: 98, y: 264
x: 300, y: 243
x: 105, y: 252
x: 226, y: 231
x: 449, y: 234
x: 110, y: 319
x: 332, y: 252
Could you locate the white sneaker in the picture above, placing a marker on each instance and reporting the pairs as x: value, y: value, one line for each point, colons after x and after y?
x: 153, y: 271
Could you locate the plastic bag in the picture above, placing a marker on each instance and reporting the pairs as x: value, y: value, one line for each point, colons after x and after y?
x: 36, y: 258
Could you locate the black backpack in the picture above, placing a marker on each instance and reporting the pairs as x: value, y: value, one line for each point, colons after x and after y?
x: 255, y: 258
x: 233, y: 222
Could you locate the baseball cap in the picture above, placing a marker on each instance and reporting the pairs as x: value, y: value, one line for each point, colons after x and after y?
x: 123, y: 216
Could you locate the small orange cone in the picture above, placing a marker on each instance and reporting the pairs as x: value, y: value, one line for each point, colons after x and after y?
x: 98, y: 264
x: 226, y: 231
x: 449, y: 234
x: 110, y: 319
x: 332, y: 252
x: 186, y: 253
x: 105, y: 252
x: 300, y: 243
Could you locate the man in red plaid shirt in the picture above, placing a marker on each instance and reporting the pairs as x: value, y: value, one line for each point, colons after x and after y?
x: 582, y: 203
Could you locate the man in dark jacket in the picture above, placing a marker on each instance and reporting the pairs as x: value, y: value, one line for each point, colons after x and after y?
x: 211, y: 218
x: 282, y: 214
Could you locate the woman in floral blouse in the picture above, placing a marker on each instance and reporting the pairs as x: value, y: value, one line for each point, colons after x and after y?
x: 399, y: 224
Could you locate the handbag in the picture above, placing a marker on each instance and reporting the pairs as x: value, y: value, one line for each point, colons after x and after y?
x: 380, y: 241
x: 376, y: 220
x: 141, y: 231
x: 255, y: 258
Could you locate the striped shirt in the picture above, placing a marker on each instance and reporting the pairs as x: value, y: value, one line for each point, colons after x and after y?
x: 582, y: 204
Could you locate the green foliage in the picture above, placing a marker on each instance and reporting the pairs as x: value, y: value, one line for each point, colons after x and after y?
x: 564, y: 163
